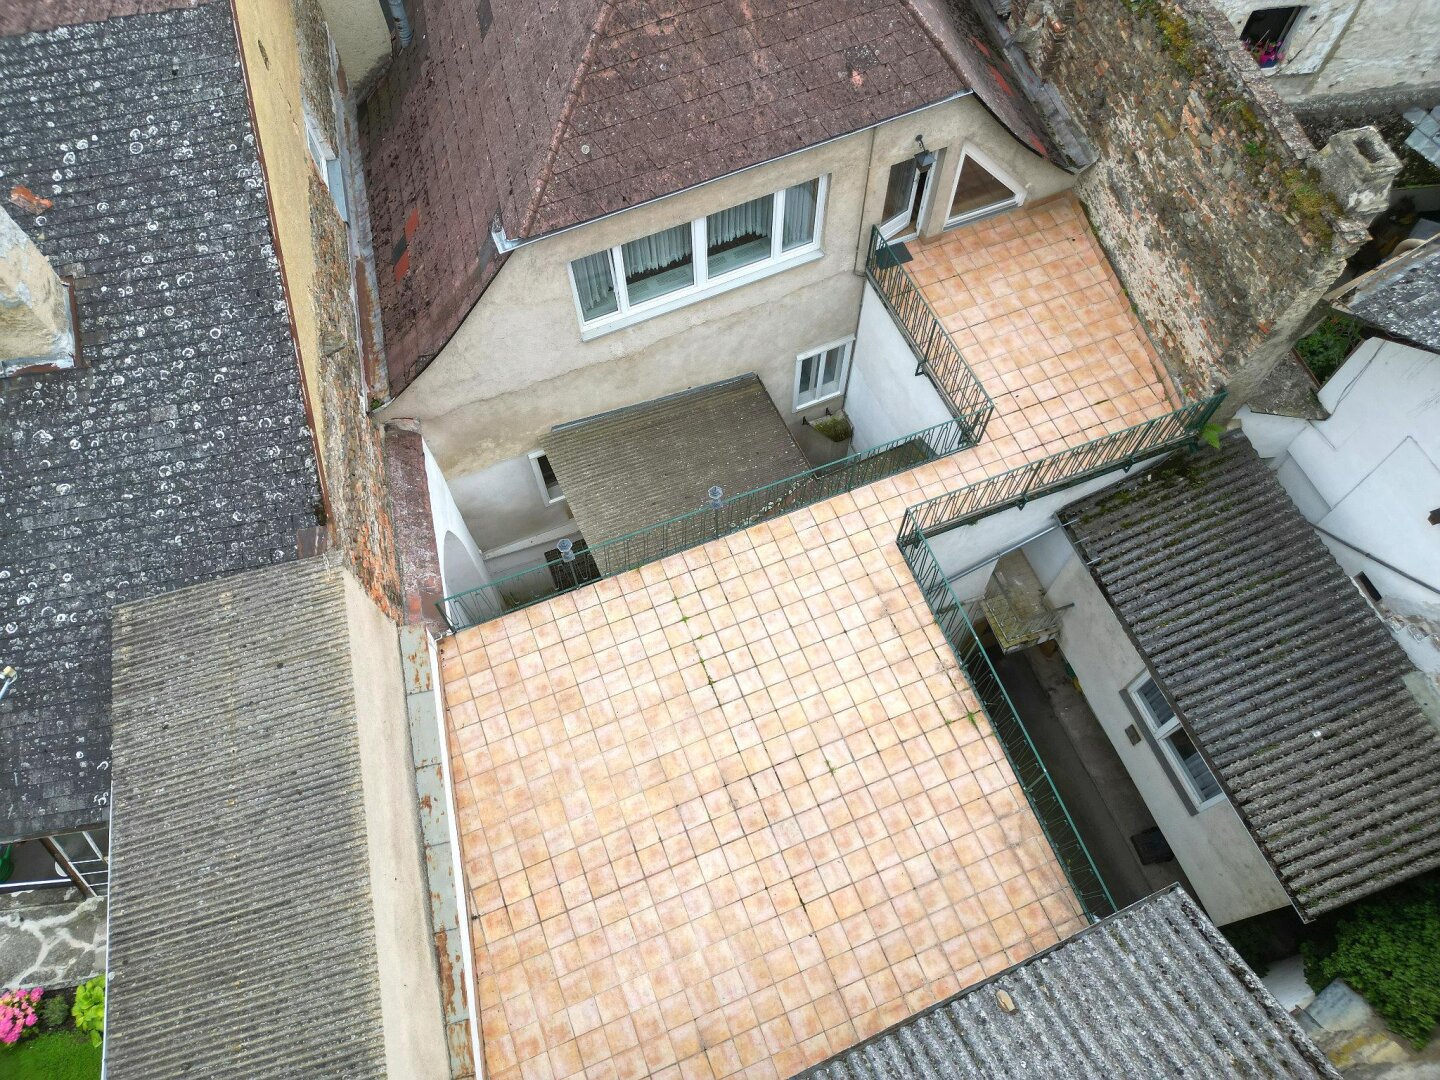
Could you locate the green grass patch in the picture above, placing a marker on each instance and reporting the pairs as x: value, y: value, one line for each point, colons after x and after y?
x: 1325, y: 348
x: 53, y: 1055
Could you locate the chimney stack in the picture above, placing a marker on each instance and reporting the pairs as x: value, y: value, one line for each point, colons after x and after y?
x: 35, y: 325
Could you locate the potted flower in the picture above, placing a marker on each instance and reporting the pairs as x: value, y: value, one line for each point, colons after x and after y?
x: 1266, y: 53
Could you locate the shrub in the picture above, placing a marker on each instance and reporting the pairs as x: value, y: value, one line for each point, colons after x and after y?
x: 54, y: 1011
x: 89, y: 1008
x: 1387, y: 947
x: 1325, y: 348
x: 17, y: 1014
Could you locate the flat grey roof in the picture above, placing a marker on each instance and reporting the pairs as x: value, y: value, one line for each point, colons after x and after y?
x: 1287, y: 681
x: 632, y: 468
x: 1152, y: 992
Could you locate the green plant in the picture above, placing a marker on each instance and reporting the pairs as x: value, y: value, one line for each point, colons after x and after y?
x: 89, y: 1008
x: 1325, y: 348
x: 1387, y: 948
x: 836, y: 428
x: 54, y: 1055
x: 1210, y: 435
x: 54, y: 1011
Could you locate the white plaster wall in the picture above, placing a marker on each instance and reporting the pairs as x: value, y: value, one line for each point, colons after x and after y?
x: 1232, y: 880
x: 1370, y: 477
x: 518, y: 366
x: 502, y: 504
x: 361, y: 36
x: 415, y: 1041
x: 448, y: 522
x: 1345, y: 46
x: 886, y: 399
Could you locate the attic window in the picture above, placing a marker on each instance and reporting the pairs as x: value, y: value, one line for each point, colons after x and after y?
x: 1266, y: 32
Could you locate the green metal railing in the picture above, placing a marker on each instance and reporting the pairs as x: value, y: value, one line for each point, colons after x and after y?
x: 1016, y: 487
x: 557, y: 574
x: 1119, y: 450
x: 1030, y: 771
x: 938, y: 356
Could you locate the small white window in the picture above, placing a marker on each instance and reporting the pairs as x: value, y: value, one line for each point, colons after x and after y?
x: 1174, y: 743
x: 329, y: 167
x: 699, y: 258
x: 820, y: 375
x: 545, y: 478
x: 980, y: 189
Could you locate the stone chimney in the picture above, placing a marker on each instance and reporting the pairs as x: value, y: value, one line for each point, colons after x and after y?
x: 35, y: 325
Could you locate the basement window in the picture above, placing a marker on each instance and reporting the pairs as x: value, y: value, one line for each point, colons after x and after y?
x: 1266, y: 32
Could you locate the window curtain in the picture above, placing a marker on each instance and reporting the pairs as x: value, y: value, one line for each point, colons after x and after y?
x: 656, y: 251
x: 800, y: 203
x: 748, y: 219
x: 593, y: 283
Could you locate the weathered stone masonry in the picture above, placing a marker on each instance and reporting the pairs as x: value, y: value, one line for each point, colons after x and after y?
x: 1224, y: 222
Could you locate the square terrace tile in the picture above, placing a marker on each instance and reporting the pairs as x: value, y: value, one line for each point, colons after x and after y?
x: 732, y: 812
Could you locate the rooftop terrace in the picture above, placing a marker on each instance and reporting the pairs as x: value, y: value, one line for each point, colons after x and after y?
x: 736, y: 810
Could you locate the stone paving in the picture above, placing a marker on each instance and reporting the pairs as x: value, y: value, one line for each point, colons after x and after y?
x: 732, y: 812
x: 51, y: 937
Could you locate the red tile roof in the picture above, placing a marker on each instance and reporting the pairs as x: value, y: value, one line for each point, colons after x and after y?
x: 542, y: 114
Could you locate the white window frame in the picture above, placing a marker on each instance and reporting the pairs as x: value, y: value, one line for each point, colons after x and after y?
x: 843, y: 379
x: 704, y: 286
x: 544, y: 488
x: 988, y: 164
x: 1160, y: 739
x: 890, y: 227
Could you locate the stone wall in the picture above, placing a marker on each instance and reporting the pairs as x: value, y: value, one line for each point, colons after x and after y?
x: 1224, y: 222
x: 292, y: 78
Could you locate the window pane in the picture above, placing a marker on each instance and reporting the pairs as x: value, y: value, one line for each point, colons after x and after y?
x: 801, y: 202
x: 1155, y: 703
x: 1194, y: 765
x: 831, y: 382
x: 977, y: 190
x: 595, y: 284
x: 658, y: 264
x: 897, y: 191
x: 808, y: 369
x: 739, y: 236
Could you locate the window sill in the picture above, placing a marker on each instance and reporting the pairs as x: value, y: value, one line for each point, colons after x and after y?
x: 664, y: 305
x: 819, y: 401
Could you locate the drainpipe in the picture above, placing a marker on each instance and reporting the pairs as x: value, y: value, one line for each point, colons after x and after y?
x: 399, y: 19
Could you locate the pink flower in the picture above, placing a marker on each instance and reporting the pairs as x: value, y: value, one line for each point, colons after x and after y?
x: 30, y: 1020
x: 35, y: 994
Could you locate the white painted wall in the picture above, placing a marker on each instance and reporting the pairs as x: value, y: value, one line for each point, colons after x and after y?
x: 886, y: 400
x: 461, y: 564
x: 1347, y: 46
x: 1232, y: 880
x: 1370, y: 477
x: 503, y: 505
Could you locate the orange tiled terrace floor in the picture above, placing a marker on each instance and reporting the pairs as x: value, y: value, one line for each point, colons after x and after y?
x: 732, y: 812
x: 1038, y: 314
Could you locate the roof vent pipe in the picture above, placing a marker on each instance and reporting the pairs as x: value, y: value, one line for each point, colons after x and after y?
x: 399, y: 19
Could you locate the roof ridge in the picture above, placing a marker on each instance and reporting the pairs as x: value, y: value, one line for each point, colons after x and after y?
x: 572, y: 97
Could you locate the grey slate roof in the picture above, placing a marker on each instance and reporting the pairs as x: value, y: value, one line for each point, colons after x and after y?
x: 1287, y: 681
x: 633, y: 468
x: 1151, y: 992
x: 242, y: 926
x: 181, y: 452
x: 1400, y: 296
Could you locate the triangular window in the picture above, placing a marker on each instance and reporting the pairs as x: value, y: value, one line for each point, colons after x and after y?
x: 978, y: 191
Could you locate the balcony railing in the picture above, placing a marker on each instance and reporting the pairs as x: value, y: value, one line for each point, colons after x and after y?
x: 1030, y: 771
x: 935, y: 350
x: 1016, y: 487
x: 558, y: 575
x: 1119, y: 450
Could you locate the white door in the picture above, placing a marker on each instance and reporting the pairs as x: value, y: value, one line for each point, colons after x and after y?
x: 902, y: 200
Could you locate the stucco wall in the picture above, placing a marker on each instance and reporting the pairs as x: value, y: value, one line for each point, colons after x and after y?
x: 518, y: 366
x: 886, y: 399
x: 287, y: 63
x: 1216, y: 851
x: 1351, y: 46
x: 415, y: 1038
